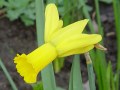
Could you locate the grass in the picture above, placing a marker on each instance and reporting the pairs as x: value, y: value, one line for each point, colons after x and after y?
x: 75, y: 82
x: 91, y: 75
x: 8, y: 76
x: 116, y: 7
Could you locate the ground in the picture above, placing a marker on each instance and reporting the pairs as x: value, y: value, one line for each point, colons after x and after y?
x: 16, y: 38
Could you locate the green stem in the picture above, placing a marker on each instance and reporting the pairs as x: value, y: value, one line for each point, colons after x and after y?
x: 40, y: 21
x: 100, y: 55
x: 90, y: 72
x: 75, y: 82
x: 61, y: 62
x: 100, y: 28
x: 116, y: 7
x: 86, y: 14
x: 66, y: 18
x: 47, y: 73
x: 51, y: 1
x: 56, y: 65
x: 8, y: 76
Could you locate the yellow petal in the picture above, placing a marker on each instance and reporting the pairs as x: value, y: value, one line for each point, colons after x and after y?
x: 28, y: 66
x: 77, y: 41
x: 69, y: 30
x: 51, y: 20
x: 60, y: 24
x: 77, y: 51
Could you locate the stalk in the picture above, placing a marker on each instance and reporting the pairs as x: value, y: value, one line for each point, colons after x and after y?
x: 116, y: 7
x: 51, y: 1
x: 56, y: 65
x: 66, y: 18
x: 91, y: 75
x: 8, y: 75
x: 100, y: 54
x: 75, y: 82
x: 47, y: 74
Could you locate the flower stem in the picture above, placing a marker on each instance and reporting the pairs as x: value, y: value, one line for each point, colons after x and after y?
x: 90, y: 71
x: 116, y: 7
x: 47, y: 74
x: 8, y: 75
x: 75, y: 82
x: 99, y: 54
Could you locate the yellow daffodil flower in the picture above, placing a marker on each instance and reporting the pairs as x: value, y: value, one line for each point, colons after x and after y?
x: 59, y: 42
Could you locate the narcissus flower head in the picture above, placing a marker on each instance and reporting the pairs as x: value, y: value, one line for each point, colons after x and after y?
x: 59, y: 42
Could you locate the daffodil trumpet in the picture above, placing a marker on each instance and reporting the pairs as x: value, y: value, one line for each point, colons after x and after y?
x: 59, y: 42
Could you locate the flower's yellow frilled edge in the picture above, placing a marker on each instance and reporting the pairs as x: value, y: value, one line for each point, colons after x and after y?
x: 28, y: 66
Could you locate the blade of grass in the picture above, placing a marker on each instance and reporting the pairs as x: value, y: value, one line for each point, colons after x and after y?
x: 8, y: 75
x: 110, y: 77
x: 48, y: 73
x: 40, y: 21
x: 91, y: 75
x: 66, y: 18
x: 56, y: 65
x: 75, y: 82
x: 100, y: 28
x: 86, y: 14
x: 112, y: 81
x: 38, y: 86
x: 116, y: 7
x: 59, y: 88
x: 51, y: 1
x: 100, y: 54
x: 61, y: 63
x: 115, y: 80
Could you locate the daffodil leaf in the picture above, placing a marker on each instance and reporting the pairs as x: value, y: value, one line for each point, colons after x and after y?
x: 75, y: 82
x: 38, y: 86
x: 2, y: 66
x: 49, y: 81
x: 106, y: 1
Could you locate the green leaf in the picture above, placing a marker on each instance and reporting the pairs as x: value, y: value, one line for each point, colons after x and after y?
x: 108, y: 76
x: 27, y: 21
x: 75, y: 82
x: 59, y: 88
x: 116, y: 7
x: 47, y: 73
x: 8, y: 76
x: 48, y: 78
x: 38, y: 86
x: 1, y: 3
x: 13, y: 14
x: 58, y: 64
x: 106, y: 1
x: 24, y: 9
x: 91, y: 75
x: 51, y: 1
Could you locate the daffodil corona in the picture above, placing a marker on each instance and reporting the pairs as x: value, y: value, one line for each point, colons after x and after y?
x: 59, y: 42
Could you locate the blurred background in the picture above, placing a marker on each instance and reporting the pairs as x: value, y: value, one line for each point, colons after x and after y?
x: 18, y: 35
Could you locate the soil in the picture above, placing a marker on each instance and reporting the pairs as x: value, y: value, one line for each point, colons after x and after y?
x: 17, y: 38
